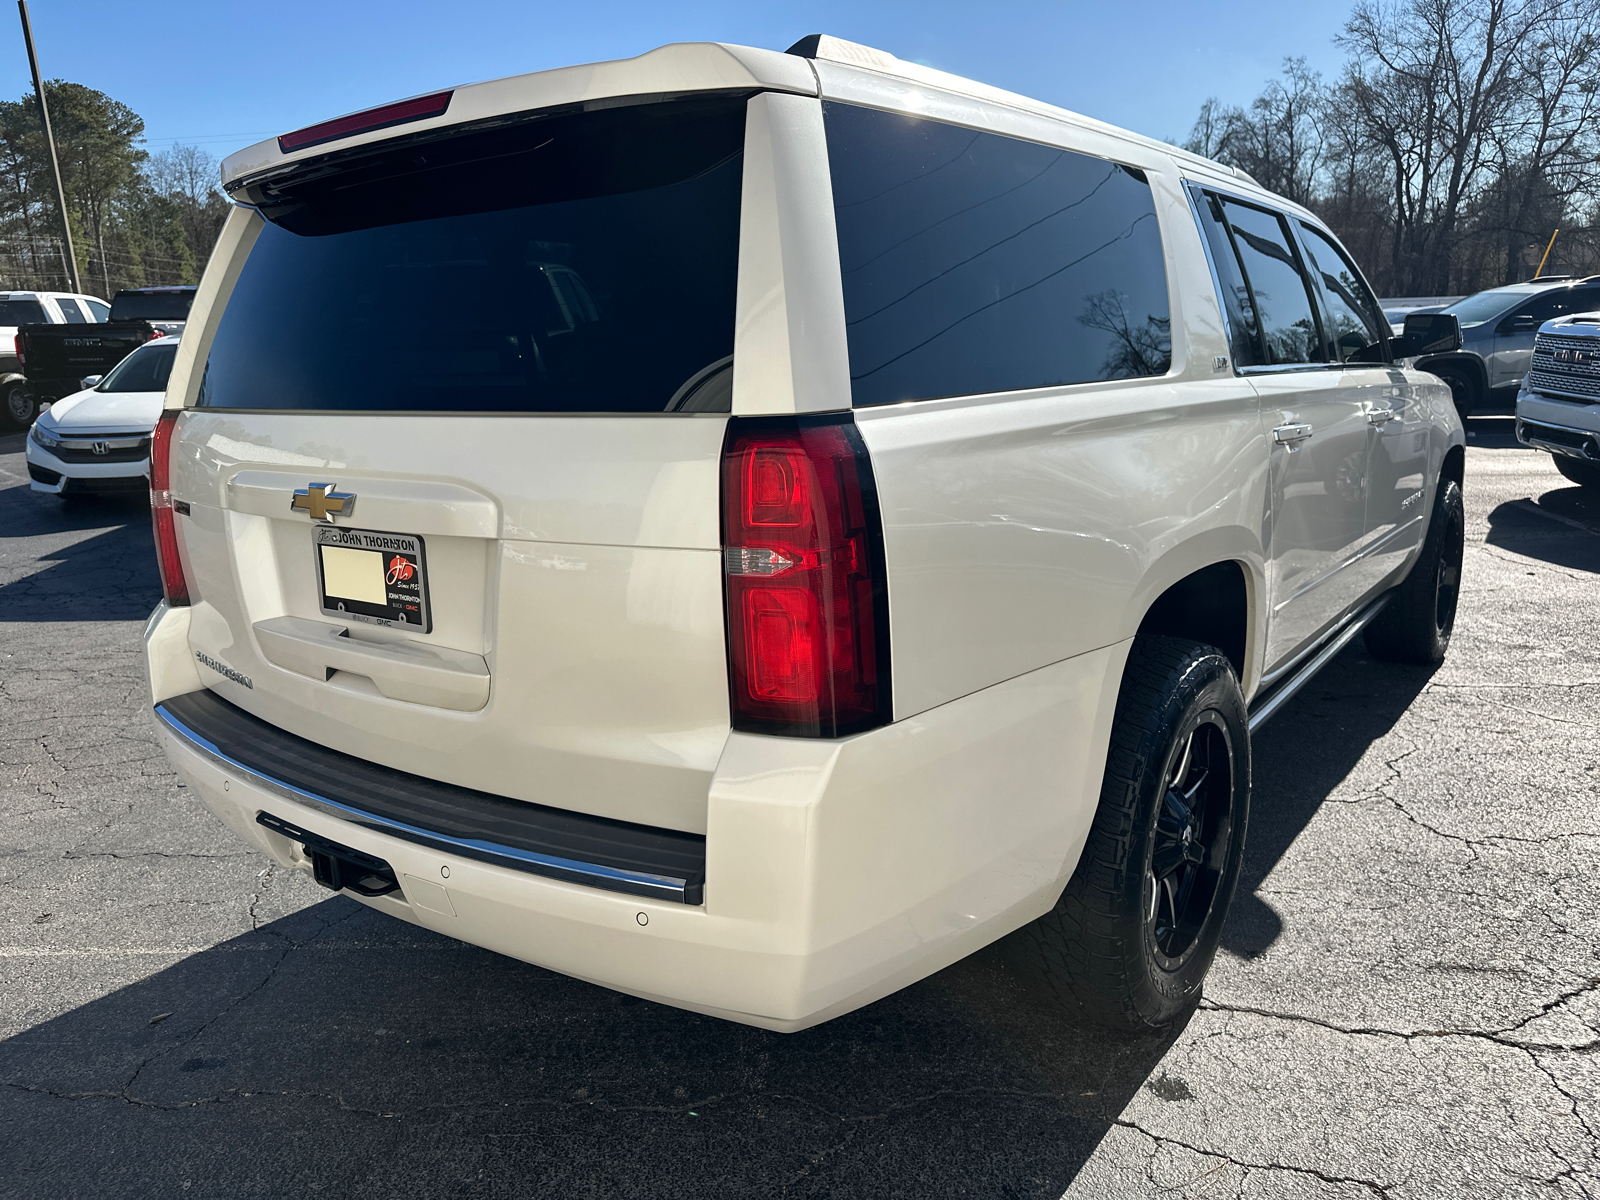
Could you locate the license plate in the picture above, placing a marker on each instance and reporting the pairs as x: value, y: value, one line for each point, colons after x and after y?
x: 379, y: 578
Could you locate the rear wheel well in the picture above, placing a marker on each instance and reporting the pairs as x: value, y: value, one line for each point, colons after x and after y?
x: 1211, y: 606
x: 1454, y: 466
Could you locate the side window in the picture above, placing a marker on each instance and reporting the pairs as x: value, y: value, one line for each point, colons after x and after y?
x: 1350, y: 314
x: 100, y: 312
x: 1584, y: 300
x: 978, y: 263
x: 1281, y: 293
x: 1574, y: 300
x: 1241, y: 313
x: 1529, y: 315
x: 71, y: 311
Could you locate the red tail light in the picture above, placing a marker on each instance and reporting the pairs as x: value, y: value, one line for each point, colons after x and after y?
x: 807, y: 610
x: 155, y: 333
x: 162, y: 517
x: 16, y: 344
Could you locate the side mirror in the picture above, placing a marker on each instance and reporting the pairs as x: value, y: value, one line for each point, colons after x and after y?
x: 1428, y: 333
x: 88, y: 381
x: 1518, y: 323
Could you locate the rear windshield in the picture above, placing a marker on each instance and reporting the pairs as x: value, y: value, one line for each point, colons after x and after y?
x: 145, y: 370
x: 22, y: 312
x: 151, y: 306
x: 584, y: 262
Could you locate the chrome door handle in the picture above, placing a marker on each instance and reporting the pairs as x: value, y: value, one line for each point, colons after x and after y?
x: 1291, y: 435
x: 1382, y: 416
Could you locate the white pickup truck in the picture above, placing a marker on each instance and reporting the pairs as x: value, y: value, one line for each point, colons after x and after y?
x: 18, y: 405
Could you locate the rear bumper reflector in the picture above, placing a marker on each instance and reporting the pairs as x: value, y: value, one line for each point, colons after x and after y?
x: 617, y: 856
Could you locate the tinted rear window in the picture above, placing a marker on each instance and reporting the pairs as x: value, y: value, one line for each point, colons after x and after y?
x: 979, y: 263
x: 576, y: 263
x: 151, y: 306
x: 22, y: 312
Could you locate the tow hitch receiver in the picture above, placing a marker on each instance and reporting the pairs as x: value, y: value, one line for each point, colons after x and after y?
x: 337, y: 868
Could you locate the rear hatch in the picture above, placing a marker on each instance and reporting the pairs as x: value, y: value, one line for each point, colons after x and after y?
x: 452, y: 474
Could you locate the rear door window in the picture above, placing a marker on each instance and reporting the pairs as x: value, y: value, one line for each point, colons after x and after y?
x: 1354, y: 325
x: 22, y: 312
x: 1281, y: 293
x: 581, y: 262
x: 979, y: 263
x: 70, y: 311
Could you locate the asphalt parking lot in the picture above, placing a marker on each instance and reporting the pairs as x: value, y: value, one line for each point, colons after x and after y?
x: 1408, y: 1004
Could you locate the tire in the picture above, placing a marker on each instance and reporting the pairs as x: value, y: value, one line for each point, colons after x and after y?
x: 1130, y: 941
x: 18, y: 405
x: 1584, y: 474
x: 1463, y: 390
x: 1415, y: 626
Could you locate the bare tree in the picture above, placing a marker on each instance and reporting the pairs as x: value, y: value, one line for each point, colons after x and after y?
x: 1459, y: 135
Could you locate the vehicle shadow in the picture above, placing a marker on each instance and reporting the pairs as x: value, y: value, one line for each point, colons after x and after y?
x: 1299, y: 758
x: 1561, y: 527
x: 110, y: 575
x: 339, y: 1050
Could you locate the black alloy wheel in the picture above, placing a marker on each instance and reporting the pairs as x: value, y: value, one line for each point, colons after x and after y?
x: 1189, y: 845
x: 1129, y: 942
x: 1447, y: 571
x: 1416, y: 624
x: 20, y: 405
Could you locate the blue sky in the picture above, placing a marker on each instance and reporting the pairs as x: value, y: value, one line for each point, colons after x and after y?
x: 222, y: 75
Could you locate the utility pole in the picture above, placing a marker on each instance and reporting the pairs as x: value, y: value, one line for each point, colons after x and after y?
x: 50, y: 140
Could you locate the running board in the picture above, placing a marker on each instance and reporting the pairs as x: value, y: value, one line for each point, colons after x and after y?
x: 1286, y: 688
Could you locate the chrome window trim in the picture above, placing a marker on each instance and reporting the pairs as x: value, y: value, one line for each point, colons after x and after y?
x: 1189, y: 187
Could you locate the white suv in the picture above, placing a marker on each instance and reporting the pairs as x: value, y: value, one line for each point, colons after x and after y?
x: 748, y: 529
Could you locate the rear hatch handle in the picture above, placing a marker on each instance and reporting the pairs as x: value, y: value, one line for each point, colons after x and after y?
x: 407, y: 671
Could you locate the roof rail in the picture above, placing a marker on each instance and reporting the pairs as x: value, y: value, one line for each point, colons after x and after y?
x: 1550, y: 278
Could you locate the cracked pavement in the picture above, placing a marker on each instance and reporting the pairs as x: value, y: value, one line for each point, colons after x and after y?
x: 1407, y: 1003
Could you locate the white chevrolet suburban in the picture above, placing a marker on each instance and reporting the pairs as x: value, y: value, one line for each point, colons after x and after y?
x: 825, y: 515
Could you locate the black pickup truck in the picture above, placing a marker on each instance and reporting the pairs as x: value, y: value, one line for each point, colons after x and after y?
x: 57, y: 358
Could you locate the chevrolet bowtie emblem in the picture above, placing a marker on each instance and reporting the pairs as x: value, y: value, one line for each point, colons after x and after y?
x: 322, y: 502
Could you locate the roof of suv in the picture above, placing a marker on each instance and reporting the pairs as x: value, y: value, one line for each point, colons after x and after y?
x: 670, y: 70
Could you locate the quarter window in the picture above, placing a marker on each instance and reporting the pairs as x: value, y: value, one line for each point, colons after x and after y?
x: 1280, y: 291
x: 978, y: 263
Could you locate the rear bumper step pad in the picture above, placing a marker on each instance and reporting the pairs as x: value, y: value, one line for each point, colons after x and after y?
x: 617, y: 856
